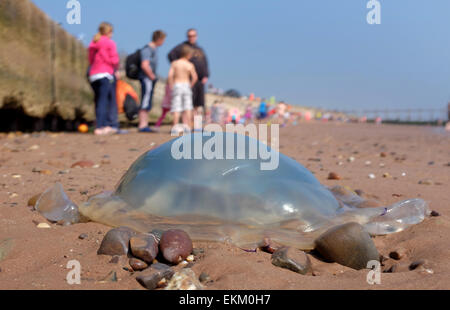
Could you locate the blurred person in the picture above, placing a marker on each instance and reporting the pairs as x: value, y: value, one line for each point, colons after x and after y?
x: 182, y: 78
x: 200, y: 62
x: 103, y: 62
x: 148, y: 79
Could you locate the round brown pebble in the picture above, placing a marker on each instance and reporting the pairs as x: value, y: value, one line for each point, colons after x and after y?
x: 137, y: 264
x: 175, y: 245
x: 349, y: 245
x: 333, y: 176
x: 116, y: 241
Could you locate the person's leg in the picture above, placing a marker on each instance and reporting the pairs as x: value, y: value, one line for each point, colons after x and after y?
x: 101, y: 102
x: 113, y: 113
x: 163, y: 116
x: 147, y: 91
x: 187, y: 107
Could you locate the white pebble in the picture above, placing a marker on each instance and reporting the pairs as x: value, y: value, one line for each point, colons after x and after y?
x: 404, y: 174
x: 43, y: 225
x: 351, y: 159
x: 372, y: 176
x: 368, y: 163
x: 190, y: 258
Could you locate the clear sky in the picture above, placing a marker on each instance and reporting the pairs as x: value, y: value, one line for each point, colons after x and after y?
x: 319, y: 53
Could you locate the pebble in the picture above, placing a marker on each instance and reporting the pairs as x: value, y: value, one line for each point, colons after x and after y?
x: 83, y: 164
x: 386, y: 175
x: 333, y: 176
x: 111, y: 277
x: 43, y: 226
x: 82, y: 236
x: 418, y: 263
x: 349, y: 245
x: 204, y: 277
x: 292, y: 259
x: 175, y: 245
x: 435, y: 213
x: 190, y: 258
x: 372, y: 176
x: 368, y: 163
x: 426, y: 182
x: 398, y: 254
x: 116, y: 241
x: 137, y: 264
x: 351, y: 159
x: 151, y: 277
x: 145, y: 247
x: 184, y: 280
x: 33, y: 147
x: 383, y: 154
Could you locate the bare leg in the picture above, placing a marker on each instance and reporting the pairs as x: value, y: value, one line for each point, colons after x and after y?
x: 187, y: 119
x: 143, y: 119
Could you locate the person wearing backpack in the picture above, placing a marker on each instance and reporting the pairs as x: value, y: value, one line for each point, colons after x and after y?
x: 147, y: 77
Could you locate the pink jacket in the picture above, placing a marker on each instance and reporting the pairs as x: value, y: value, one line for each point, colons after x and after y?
x: 103, y: 56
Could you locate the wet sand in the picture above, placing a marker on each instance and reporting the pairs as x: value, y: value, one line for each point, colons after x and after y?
x: 37, y: 258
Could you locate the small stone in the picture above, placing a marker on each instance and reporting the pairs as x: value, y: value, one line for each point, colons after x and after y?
x: 45, y: 172
x: 16, y: 176
x: 13, y: 195
x: 33, y: 147
x: 190, y: 258
x: 431, y: 163
x: 176, y: 246
x: 333, y: 176
x: 82, y: 236
x: 426, y: 182
x: 398, y: 254
x: 43, y: 226
x: 418, y: 263
x: 204, y: 277
x: 83, y: 164
x: 349, y: 245
x: 434, y: 213
x: 368, y: 163
x: 383, y: 154
x: 116, y: 241
x: 145, y: 247
x: 137, y: 264
x: 351, y: 159
x: 152, y: 276
x: 386, y: 175
x: 269, y: 246
x: 184, y: 280
x: 292, y: 259
x: 111, y: 277
x: 372, y: 176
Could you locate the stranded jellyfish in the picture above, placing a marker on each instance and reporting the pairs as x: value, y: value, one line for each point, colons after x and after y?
x: 228, y: 187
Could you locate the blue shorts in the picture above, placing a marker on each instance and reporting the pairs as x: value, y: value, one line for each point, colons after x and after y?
x: 148, y: 87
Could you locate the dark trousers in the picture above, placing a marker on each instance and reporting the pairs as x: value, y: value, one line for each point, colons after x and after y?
x: 198, y: 94
x: 105, y: 103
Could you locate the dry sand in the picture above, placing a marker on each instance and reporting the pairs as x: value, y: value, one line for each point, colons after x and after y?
x: 37, y: 257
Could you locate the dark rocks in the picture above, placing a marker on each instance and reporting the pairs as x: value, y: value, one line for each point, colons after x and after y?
x: 116, y: 241
x: 137, y: 264
x: 82, y: 236
x: 175, y: 245
x: 151, y: 277
x: 349, y: 245
x: 398, y: 254
x: 435, y: 213
x: 292, y: 259
x: 145, y: 247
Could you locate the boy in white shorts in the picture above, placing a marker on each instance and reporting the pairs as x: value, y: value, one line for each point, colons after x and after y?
x: 182, y: 77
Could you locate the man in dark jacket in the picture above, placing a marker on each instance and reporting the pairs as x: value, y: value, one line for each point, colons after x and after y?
x: 200, y: 63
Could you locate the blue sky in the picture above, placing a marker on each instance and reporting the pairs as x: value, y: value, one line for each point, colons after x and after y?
x: 319, y: 53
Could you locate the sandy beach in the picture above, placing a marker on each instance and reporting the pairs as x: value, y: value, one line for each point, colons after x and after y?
x: 36, y: 258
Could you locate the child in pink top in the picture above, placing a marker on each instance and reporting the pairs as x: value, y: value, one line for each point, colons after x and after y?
x: 166, y: 106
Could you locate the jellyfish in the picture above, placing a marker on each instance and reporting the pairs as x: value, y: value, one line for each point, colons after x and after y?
x: 217, y: 190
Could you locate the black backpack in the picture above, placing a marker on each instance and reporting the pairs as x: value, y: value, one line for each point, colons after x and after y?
x: 130, y: 108
x: 133, y: 65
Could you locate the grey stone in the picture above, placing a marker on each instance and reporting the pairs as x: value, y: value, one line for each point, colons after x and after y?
x: 116, y: 241
x: 151, y: 277
x: 145, y: 247
x: 292, y: 259
x: 349, y: 245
